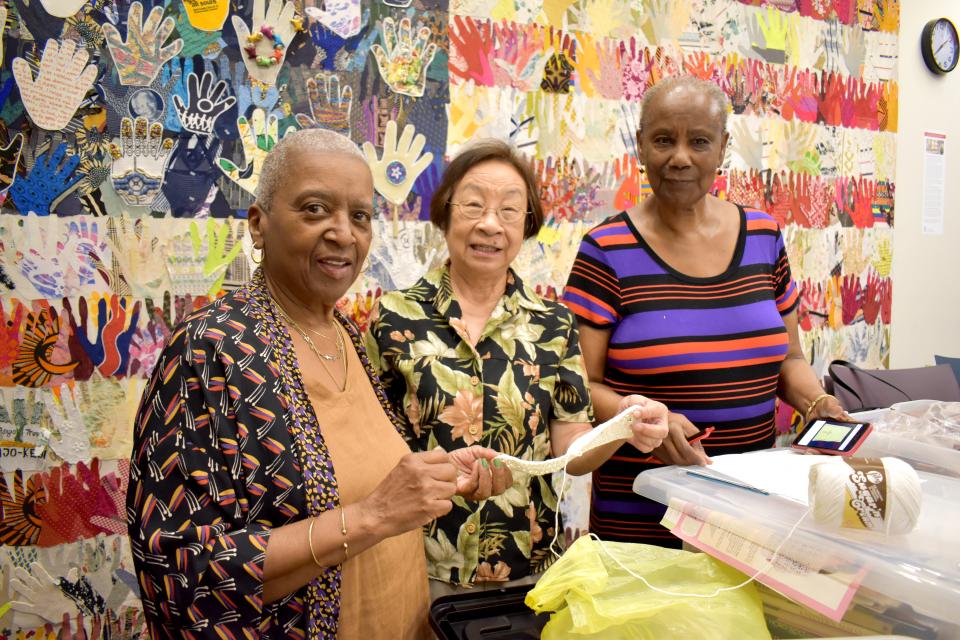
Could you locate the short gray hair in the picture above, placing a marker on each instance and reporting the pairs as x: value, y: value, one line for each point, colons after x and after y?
x: 277, y: 164
x: 698, y: 85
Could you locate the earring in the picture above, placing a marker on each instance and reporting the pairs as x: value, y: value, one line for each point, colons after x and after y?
x: 253, y: 256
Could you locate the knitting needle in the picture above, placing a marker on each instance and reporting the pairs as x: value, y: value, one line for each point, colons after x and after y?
x: 732, y: 483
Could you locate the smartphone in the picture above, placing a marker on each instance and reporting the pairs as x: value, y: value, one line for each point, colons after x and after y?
x: 833, y: 436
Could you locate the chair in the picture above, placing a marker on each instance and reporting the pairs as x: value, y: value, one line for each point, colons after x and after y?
x: 862, y: 389
x: 953, y: 362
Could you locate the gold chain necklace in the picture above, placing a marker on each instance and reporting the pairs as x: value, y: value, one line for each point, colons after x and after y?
x: 323, y: 356
x: 340, y: 349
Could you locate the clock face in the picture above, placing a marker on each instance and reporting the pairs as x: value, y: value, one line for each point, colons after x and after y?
x: 944, y: 44
x: 939, y: 45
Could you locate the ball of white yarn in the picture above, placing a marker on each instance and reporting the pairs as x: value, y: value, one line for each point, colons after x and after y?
x: 828, y: 494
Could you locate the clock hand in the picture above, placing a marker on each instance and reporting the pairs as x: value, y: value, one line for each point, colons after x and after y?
x: 945, y: 43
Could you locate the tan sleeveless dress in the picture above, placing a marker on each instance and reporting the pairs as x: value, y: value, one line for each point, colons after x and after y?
x: 384, y: 593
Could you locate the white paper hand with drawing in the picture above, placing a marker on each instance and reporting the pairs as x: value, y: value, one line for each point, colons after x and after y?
x: 398, y: 260
x: 62, y: 80
x: 70, y: 442
x: 399, y: 165
x: 547, y: 261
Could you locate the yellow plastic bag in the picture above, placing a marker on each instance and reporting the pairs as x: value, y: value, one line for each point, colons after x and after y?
x: 593, y: 597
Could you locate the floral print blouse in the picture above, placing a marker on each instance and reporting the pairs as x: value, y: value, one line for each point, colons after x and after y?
x: 525, y: 371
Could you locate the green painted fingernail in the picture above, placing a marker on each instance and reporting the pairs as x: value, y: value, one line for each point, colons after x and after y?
x: 497, y: 463
x: 483, y: 461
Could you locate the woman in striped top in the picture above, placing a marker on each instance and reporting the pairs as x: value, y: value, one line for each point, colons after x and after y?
x: 688, y: 300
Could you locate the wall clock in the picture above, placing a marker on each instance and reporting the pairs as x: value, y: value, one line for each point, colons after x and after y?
x: 939, y: 45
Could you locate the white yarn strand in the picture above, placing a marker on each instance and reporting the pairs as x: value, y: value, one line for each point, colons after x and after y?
x: 827, y: 495
x: 716, y: 592
x: 616, y: 428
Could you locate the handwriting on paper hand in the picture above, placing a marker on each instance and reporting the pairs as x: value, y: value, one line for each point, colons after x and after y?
x: 62, y: 82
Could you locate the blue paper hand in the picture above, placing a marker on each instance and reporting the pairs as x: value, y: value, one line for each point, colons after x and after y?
x: 331, y: 43
x: 92, y: 349
x: 427, y: 183
x: 172, y: 120
x: 226, y: 126
x: 241, y: 88
x: 5, y: 91
x: 250, y: 96
x: 266, y: 100
x: 38, y: 189
x: 328, y: 41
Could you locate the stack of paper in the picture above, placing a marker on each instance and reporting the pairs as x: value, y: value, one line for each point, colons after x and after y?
x: 783, y: 472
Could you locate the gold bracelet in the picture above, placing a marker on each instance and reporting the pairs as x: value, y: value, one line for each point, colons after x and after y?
x: 310, y: 543
x: 813, y: 405
x: 343, y: 530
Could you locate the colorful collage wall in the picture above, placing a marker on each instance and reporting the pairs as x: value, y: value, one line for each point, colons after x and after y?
x: 131, y: 137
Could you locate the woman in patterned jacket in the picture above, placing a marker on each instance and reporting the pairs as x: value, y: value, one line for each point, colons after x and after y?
x: 470, y: 355
x: 271, y: 494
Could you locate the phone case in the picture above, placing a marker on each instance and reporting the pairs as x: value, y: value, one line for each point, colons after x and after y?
x: 834, y: 452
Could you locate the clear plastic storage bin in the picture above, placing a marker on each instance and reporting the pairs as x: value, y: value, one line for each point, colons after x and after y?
x: 917, y: 574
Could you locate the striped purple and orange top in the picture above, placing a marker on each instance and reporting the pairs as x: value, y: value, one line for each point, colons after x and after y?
x: 708, y: 348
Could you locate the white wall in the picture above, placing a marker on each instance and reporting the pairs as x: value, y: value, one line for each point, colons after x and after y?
x: 926, y: 269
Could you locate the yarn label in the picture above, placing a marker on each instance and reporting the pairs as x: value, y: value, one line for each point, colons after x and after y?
x: 865, y: 503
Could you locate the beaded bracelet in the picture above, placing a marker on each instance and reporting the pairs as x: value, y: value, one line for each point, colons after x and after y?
x: 275, y: 57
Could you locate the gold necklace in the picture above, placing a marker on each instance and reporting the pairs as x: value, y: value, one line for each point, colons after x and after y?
x: 323, y: 356
x: 319, y: 333
x: 340, y: 348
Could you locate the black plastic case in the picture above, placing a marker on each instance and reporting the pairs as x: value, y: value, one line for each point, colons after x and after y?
x: 492, y: 614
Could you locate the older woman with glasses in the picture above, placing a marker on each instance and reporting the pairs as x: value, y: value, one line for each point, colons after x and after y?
x: 470, y: 355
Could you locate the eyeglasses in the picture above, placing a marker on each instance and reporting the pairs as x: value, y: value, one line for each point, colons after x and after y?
x: 475, y: 212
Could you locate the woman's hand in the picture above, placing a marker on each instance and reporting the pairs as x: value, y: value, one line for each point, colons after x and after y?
x: 479, y: 474
x: 649, y: 424
x: 675, y: 448
x: 415, y: 492
x: 830, y: 408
